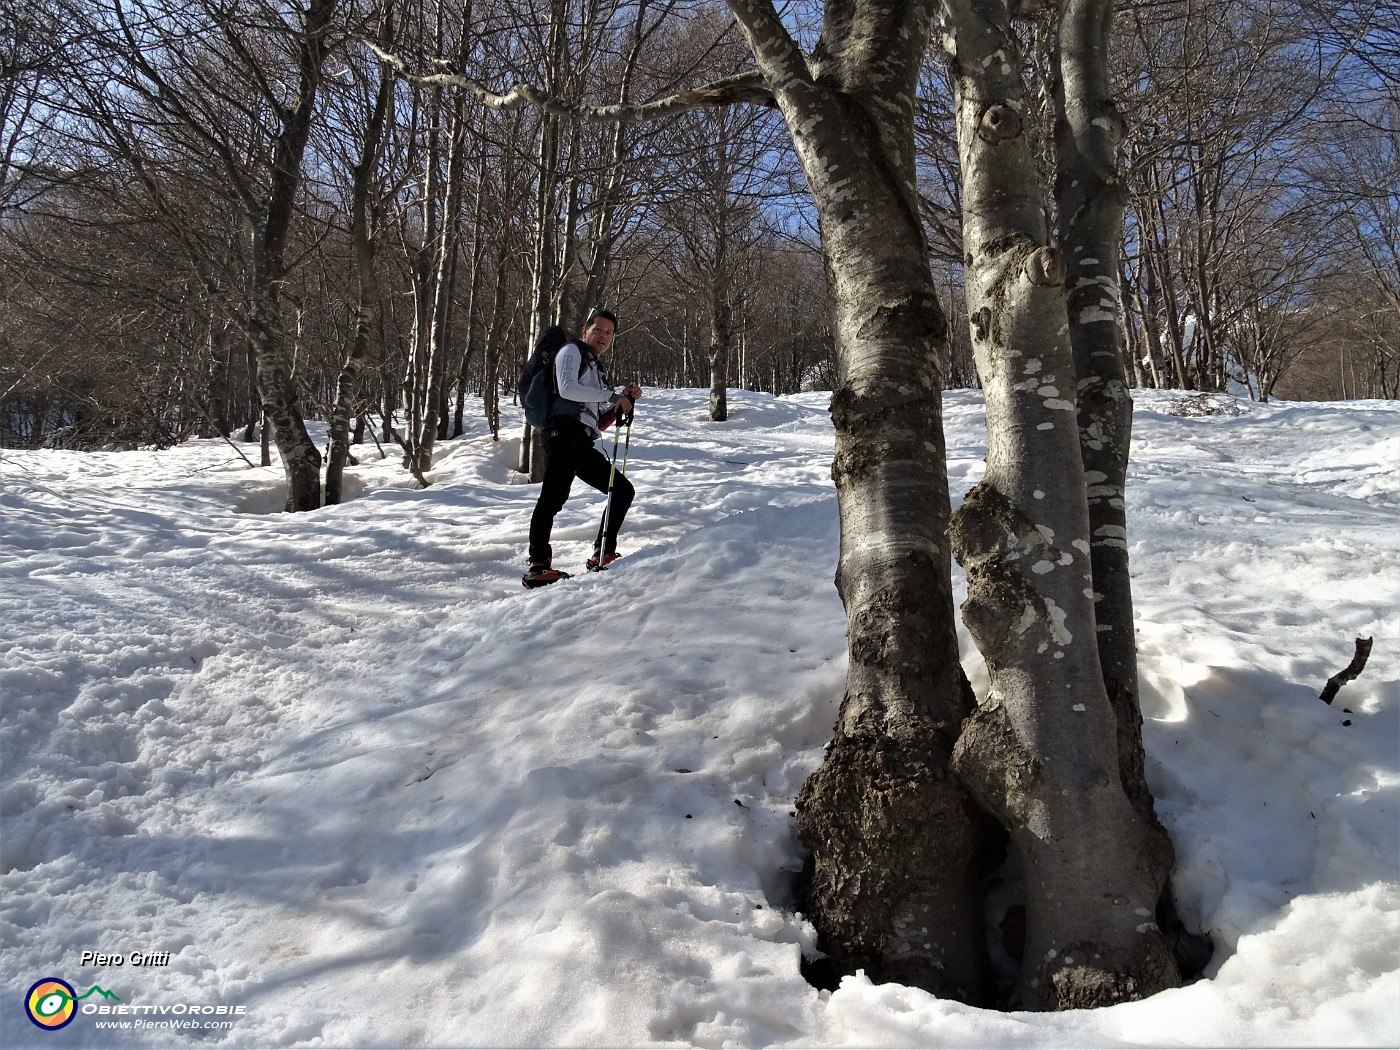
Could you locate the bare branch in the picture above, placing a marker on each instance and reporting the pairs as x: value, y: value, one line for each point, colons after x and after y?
x: 1348, y: 673
x: 748, y: 88
x: 773, y: 46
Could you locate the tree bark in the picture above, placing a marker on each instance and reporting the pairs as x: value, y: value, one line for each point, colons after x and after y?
x: 366, y: 287
x: 478, y: 253
x: 301, y: 459
x: 721, y: 330
x: 1090, y: 193
x: 543, y: 273
x: 894, y: 840
x: 436, y: 271
x: 1041, y: 752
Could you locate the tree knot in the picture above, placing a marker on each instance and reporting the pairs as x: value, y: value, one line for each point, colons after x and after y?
x: 1045, y: 267
x: 981, y: 324
x: 998, y: 123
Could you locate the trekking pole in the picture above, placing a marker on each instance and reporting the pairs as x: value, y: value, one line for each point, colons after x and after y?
x: 612, y: 475
x: 627, y: 445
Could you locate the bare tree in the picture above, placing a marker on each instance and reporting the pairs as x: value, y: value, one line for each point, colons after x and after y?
x: 363, y: 202
x: 894, y: 840
x: 715, y: 209
x: 1043, y: 750
x: 160, y: 101
x: 1361, y: 168
x: 32, y: 51
x: 1226, y: 101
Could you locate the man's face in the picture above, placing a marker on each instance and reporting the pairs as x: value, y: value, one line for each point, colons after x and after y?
x: 598, y: 333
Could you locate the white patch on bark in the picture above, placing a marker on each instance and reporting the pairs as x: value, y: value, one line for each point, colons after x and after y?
x: 1111, y: 536
x: 1058, y: 618
x: 1040, y: 568
x: 1059, y: 404
x: 1027, y: 621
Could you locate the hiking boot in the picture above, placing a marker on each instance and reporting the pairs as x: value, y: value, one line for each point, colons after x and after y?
x: 541, y: 575
x: 595, y: 565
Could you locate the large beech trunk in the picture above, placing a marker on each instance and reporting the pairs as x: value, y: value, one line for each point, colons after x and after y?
x: 1090, y: 195
x: 362, y: 248
x: 435, y: 271
x: 281, y: 402
x: 893, y: 838
x: 721, y: 335
x: 1042, y: 751
x: 277, y: 388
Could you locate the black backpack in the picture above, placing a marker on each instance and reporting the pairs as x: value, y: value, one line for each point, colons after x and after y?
x: 536, y: 388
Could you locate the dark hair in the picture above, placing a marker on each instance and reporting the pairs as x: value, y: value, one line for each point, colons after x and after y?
x: 598, y: 312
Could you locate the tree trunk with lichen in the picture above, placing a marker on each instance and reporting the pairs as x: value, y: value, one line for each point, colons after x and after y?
x: 1042, y: 750
x: 893, y: 838
x: 362, y: 250
x: 1090, y: 195
x: 721, y: 333
x: 1091, y: 198
x: 276, y: 381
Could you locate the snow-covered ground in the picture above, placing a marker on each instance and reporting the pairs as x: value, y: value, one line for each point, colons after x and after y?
x: 365, y: 790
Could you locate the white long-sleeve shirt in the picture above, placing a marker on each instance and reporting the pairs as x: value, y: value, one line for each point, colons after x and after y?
x: 589, y: 391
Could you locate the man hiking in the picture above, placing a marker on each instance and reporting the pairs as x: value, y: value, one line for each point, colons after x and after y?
x: 584, y: 407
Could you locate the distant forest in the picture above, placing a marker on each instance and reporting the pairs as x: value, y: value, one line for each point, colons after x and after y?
x: 162, y: 164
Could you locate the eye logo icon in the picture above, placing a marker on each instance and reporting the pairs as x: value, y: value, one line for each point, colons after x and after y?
x: 51, y: 1003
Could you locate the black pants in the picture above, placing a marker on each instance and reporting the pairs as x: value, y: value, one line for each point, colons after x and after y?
x: 569, y: 453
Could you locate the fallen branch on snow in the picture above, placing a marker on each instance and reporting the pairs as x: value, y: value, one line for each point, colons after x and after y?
x: 1342, y: 677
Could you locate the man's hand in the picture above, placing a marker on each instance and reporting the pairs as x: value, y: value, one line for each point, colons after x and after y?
x: 633, y: 391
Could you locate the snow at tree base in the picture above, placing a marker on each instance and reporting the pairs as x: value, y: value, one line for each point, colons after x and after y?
x: 364, y: 790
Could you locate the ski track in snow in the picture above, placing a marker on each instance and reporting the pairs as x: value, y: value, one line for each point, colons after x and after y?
x: 358, y: 781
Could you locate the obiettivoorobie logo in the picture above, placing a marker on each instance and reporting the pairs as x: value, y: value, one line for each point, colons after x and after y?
x: 52, y: 1003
